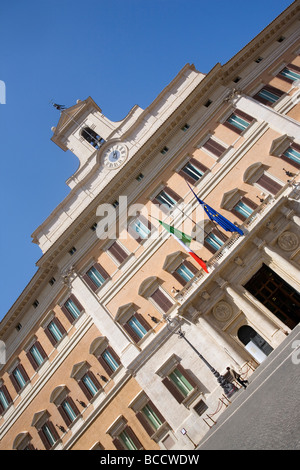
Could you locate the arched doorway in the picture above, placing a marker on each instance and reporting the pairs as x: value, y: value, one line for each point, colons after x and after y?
x: 254, y: 343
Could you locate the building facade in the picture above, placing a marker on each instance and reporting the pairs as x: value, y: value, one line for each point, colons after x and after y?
x: 93, y: 355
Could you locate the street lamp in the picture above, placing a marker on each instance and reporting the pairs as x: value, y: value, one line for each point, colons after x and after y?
x: 228, y: 387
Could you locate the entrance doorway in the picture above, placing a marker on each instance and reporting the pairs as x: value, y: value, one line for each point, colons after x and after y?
x: 276, y: 294
x: 254, y: 343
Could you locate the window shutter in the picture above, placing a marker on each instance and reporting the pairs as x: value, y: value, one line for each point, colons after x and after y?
x: 241, y: 114
x: 249, y: 203
x: 24, y: 373
x: 214, y: 147
x: 73, y: 406
x: 162, y: 301
x: 31, y: 358
x: 271, y: 89
x: 185, y: 374
x: 44, y: 440
x: 269, y: 184
x: 66, y: 311
x: 131, y: 333
x: 76, y: 302
x: 132, y: 436
x: 117, y: 251
x: 158, y: 414
x: 15, y: 383
x: 142, y: 321
x: 83, y: 387
x: 117, y: 443
x: 179, y: 278
x: 172, y: 194
x: 67, y: 314
x: 190, y: 266
x: 290, y: 67
x: 144, y: 422
x: 289, y: 160
x: 90, y: 282
x: 104, y: 364
x: 7, y: 396
x: 198, y: 165
x: 85, y: 390
x: 48, y: 333
x: 64, y: 415
x: 53, y: 430
x: 173, y: 389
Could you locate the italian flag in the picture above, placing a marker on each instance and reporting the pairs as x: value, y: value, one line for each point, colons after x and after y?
x: 192, y: 254
x: 184, y: 240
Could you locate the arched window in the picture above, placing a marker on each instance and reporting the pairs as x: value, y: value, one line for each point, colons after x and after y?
x: 92, y: 137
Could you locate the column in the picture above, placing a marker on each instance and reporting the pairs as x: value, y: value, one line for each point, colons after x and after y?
x: 286, y: 265
x: 259, y: 320
x: 222, y: 341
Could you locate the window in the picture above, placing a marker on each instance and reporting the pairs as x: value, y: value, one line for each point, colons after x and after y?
x: 36, y: 355
x: 267, y: 183
x: 238, y: 121
x: 244, y: 208
x: 164, y: 150
x: 127, y: 440
x: 72, y: 308
x: 92, y: 137
x: 193, y: 171
x: 290, y: 73
x: 179, y: 383
x: 5, y: 399
x: 167, y: 199
x: 292, y: 155
x: 161, y: 300
x: 185, y: 272
x: 214, y: 147
x: 109, y: 360
x: 140, y: 228
x: 55, y: 331
x: 117, y: 252
x: 268, y: 95
x: 72, y: 251
x: 89, y: 385
x: 137, y: 327
x: 19, y: 378
x: 200, y: 407
x: 152, y: 416
x: 214, y: 241
x: 95, y: 276
x: 48, y: 435
x: 68, y: 410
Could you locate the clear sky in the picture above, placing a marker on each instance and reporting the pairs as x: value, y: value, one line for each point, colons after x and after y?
x: 119, y: 52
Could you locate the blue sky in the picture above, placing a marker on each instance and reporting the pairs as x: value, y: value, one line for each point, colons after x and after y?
x: 119, y: 52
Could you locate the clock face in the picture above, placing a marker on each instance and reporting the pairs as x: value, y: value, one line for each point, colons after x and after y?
x: 115, y: 155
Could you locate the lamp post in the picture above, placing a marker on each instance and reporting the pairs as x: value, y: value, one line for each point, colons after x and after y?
x: 229, y: 388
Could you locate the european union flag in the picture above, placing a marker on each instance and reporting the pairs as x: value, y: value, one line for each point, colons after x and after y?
x: 216, y: 217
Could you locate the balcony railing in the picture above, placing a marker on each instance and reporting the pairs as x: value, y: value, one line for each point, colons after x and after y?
x: 291, y: 189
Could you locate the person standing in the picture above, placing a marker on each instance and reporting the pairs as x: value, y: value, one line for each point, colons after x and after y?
x: 237, y: 377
